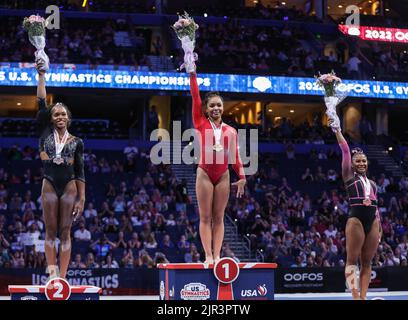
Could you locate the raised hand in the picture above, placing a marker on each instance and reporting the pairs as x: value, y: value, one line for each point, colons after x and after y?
x: 40, y: 66
x: 334, y: 122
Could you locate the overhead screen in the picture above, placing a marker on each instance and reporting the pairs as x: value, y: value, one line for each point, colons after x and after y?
x: 143, y: 80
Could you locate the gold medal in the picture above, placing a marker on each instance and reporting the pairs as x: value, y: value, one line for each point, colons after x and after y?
x: 217, y: 147
x: 367, y: 202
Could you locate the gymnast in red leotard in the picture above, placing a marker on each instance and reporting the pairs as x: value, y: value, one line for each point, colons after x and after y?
x: 218, y: 148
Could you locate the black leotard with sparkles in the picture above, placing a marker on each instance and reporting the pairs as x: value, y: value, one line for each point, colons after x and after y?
x: 72, y: 167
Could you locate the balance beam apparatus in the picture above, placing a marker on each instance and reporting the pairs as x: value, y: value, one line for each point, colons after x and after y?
x: 226, y: 280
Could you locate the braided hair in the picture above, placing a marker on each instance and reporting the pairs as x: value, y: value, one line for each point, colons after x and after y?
x: 357, y: 151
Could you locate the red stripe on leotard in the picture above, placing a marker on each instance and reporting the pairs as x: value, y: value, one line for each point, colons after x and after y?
x: 214, y: 163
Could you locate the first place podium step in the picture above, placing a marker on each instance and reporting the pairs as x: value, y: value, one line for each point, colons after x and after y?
x: 226, y: 280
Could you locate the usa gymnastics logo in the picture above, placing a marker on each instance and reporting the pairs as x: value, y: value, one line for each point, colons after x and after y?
x: 262, y: 290
x: 262, y: 83
x: 195, y: 291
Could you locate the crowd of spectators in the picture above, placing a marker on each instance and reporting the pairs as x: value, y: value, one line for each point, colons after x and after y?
x: 278, y: 11
x: 114, y: 42
x: 140, y: 6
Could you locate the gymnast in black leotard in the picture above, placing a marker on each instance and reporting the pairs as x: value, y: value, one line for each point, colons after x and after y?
x: 63, y: 189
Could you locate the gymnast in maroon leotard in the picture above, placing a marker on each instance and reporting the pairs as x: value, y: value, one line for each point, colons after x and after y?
x: 218, y: 148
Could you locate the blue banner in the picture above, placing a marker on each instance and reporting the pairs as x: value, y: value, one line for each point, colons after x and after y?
x: 143, y: 80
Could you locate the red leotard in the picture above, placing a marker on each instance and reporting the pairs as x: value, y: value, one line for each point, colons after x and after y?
x: 212, y: 162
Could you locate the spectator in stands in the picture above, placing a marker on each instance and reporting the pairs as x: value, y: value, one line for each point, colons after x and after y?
x: 159, y: 257
x: 290, y: 150
x: 127, y: 260
x: 18, y: 260
x: 125, y: 224
x: 285, y: 186
x: 170, y: 220
x: 111, y: 224
x: 90, y: 261
x: 145, y: 260
x: 153, y: 120
x: 119, y: 205
x: 102, y: 246
x: 353, y: 66
x: 150, y: 243
x: 110, y: 263
x: 82, y: 234
x: 134, y: 242
x: 28, y: 204
x: 77, y: 262
x: 320, y: 175
x: 191, y: 233
x: 90, y: 212
x: 131, y: 151
x: 183, y: 244
x: 332, y: 175
x: 95, y: 226
x: 307, y: 176
x: 3, y: 204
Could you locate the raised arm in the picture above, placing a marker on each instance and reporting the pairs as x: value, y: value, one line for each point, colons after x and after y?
x: 42, y: 115
x: 346, y: 168
x: 198, y: 116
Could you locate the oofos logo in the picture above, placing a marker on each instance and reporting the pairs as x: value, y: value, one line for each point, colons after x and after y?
x: 310, y: 276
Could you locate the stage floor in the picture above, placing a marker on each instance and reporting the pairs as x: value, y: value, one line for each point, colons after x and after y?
x: 396, y: 295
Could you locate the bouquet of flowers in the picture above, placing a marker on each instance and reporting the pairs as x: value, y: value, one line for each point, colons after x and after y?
x: 35, y: 26
x: 332, y: 97
x: 185, y: 29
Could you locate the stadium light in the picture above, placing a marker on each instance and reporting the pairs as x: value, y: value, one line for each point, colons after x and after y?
x: 389, y: 148
x: 205, y: 15
x: 19, y: 103
x: 292, y: 111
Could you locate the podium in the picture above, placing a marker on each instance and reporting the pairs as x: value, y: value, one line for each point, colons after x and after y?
x: 226, y: 280
x: 55, y: 289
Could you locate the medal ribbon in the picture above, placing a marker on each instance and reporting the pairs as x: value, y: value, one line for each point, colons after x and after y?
x: 367, y: 186
x: 60, y: 145
x: 217, y: 132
